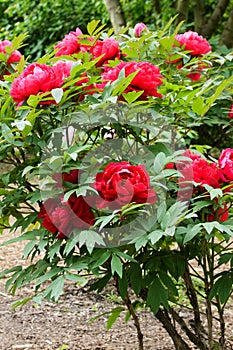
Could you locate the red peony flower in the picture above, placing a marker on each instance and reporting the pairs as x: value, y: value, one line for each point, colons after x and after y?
x: 193, y: 42
x: 39, y: 78
x: 230, y: 113
x: 62, y: 218
x: 139, y: 29
x: 122, y: 183
x: 109, y: 48
x: 45, y: 213
x: 15, y: 55
x: 221, y: 214
x: 225, y: 162
x: 147, y: 79
x: 199, y: 171
x: 70, y: 44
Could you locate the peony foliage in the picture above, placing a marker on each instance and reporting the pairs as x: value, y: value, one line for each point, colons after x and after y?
x: 107, y: 172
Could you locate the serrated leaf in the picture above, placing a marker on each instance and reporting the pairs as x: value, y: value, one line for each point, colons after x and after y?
x: 90, y: 239
x: 116, y: 266
x: 155, y: 236
x: 192, y: 232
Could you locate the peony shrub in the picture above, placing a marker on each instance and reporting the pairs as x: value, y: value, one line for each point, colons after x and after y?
x: 109, y: 175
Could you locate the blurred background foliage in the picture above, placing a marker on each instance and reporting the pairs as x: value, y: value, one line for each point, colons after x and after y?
x: 46, y: 21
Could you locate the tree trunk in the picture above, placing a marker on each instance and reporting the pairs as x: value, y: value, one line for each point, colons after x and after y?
x: 199, y: 15
x: 182, y: 10
x: 211, y: 26
x: 116, y: 14
x: 157, y: 7
x: 227, y: 34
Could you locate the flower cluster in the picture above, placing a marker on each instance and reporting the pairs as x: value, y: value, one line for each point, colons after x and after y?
x: 197, y: 46
x: 119, y: 184
x: 146, y: 80
x: 202, y: 172
x: 14, y: 57
x: 39, y: 78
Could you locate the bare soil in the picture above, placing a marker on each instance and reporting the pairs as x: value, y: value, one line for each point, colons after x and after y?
x: 50, y: 326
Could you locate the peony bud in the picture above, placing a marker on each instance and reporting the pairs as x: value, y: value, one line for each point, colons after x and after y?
x: 139, y: 28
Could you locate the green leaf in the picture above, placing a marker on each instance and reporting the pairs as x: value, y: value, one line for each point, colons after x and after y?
x: 90, y: 239
x: 28, y: 248
x: 115, y: 313
x: 155, y: 236
x: 116, y: 266
x: 57, y: 94
x: 168, y: 282
x: 132, y: 96
x: 102, y: 259
x: 157, y: 295
x: 75, y: 278
x: 54, y: 249
x: 192, y: 232
x: 222, y: 288
x: 135, y: 277
x: 198, y: 105
x: 123, y: 285
x: 56, y: 287
x: 101, y: 283
x: 20, y: 302
x: 48, y: 275
x: 92, y: 26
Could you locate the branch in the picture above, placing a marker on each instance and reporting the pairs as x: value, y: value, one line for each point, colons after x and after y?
x: 116, y: 14
x: 136, y: 321
x: 157, y: 7
x: 214, y: 20
x: 195, y: 339
x: 163, y: 317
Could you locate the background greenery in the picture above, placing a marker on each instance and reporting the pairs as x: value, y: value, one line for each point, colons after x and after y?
x: 46, y: 22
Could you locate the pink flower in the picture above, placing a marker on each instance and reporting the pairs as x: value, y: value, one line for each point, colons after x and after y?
x: 193, y: 42
x: 122, y: 183
x: 139, y: 29
x: 147, y: 79
x: 230, y: 113
x: 70, y: 44
x: 39, y: 78
x: 15, y: 56
x: 225, y: 162
x: 109, y: 48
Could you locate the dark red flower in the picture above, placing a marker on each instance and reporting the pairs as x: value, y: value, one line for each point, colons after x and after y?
x: 230, y: 113
x: 221, y: 214
x: 225, y: 162
x: 45, y: 213
x: 122, y: 183
x: 108, y: 48
x: 62, y: 218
